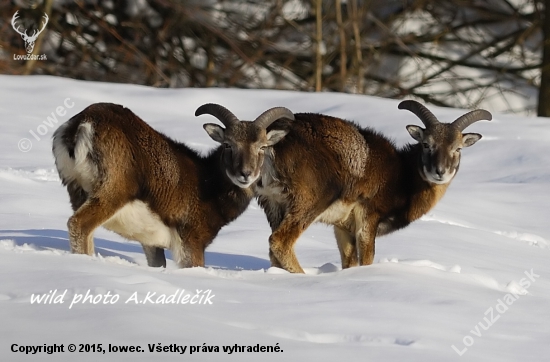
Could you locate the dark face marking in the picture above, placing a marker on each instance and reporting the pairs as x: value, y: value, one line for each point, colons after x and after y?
x: 244, y: 148
x: 441, y: 145
x: 244, y: 153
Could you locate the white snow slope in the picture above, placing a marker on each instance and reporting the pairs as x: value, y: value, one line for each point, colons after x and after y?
x: 434, y: 285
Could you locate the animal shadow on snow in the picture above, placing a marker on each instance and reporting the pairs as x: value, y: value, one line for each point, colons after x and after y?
x: 49, y: 239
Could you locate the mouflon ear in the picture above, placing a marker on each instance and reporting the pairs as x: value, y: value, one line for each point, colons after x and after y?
x: 275, y: 136
x: 215, y: 132
x: 468, y: 139
x: 416, y: 132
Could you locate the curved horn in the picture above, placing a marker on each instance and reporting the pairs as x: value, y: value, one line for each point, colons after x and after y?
x: 421, y: 112
x: 478, y: 115
x: 220, y: 112
x: 271, y: 115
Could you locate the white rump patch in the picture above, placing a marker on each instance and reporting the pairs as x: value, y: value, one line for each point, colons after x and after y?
x: 80, y: 168
x: 64, y: 163
x: 85, y: 170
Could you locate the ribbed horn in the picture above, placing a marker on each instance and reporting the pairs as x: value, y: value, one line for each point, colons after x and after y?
x: 271, y: 115
x: 220, y: 112
x: 421, y: 112
x: 478, y: 115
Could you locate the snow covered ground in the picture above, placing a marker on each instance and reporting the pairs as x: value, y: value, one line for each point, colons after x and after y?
x: 439, y: 283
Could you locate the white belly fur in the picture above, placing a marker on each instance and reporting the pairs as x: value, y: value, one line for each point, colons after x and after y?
x: 336, y: 213
x: 135, y: 221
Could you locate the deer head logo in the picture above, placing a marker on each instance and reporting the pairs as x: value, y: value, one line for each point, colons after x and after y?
x: 29, y: 40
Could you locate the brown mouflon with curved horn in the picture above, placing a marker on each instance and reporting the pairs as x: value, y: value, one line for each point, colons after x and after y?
x: 244, y: 141
x: 139, y: 183
x: 333, y: 171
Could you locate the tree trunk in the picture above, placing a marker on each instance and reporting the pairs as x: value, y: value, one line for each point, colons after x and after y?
x: 357, y: 39
x: 318, y: 41
x: 343, y: 51
x: 544, y: 90
x: 29, y: 67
